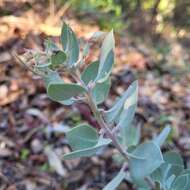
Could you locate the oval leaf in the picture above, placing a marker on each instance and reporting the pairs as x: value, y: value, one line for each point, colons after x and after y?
x: 82, y: 136
x: 180, y: 182
x: 87, y: 152
x: 53, y: 77
x: 58, y: 58
x: 132, y: 136
x: 175, y: 161
x: 185, y: 172
x: 173, y: 158
x: 70, y: 44
x: 101, y: 91
x: 61, y: 91
x: 140, y: 168
x: 172, y: 166
x: 90, y: 72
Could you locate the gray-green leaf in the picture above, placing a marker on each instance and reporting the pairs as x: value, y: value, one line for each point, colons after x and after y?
x: 173, y: 158
x: 58, y: 58
x: 90, y: 72
x: 112, y: 115
x: 152, y: 159
x: 106, y: 57
x: 105, y: 71
x: 132, y: 136
x: 51, y: 77
x: 127, y: 116
x: 100, y: 90
x: 60, y: 91
x: 185, y: 172
x: 160, y: 139
x: 87, y: 152
x: 172, y: 166
x: 175, y: 161
x: 70, y: 44
x: 181, y: 182
x: 82, y: 136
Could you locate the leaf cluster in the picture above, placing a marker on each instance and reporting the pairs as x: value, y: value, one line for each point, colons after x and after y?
x: 148, y: 167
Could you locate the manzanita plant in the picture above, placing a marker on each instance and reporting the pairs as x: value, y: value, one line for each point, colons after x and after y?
x: 143, y: 165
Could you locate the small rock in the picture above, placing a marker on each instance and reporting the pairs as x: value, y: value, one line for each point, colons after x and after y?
x: 4, y: 152
x: 36, y: 146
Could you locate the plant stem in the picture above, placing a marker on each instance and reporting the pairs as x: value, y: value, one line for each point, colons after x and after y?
x: 19, y: 60
x: 99, y: 117
x: 103, y: 125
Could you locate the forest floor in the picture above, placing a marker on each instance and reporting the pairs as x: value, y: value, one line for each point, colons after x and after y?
x: 29, y: 121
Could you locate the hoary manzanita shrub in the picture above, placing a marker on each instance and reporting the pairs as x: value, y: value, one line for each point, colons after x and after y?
x: 143, y: 165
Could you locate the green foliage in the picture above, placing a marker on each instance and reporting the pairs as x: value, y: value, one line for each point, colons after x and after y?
x: 145, y: 160
x: 171, y: 174
x: 87, y: 152
x: 113, y: 114
x: 150, y: 157
x: 59, y: 91
x: 70, y: 44
x: 100, y: 90
x: 123, y: 13
x: 180, y: 182
x: 94, y: 5
x: 161, y: 138
x: 58, y: 58
x: 84, y: 141
x: 51, y: 77
x: 90, y: 73
x: 106, y: 58
x: 24, y: 154
x: 128, y: 113
x: 82, y: 136
x: 102, y: 11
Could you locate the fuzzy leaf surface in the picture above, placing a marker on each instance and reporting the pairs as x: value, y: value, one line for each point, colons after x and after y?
x: 59, y: 91
x: 70, y: 44
x: 87, y: 152
x: 152, y: 159
x: 82, y: 136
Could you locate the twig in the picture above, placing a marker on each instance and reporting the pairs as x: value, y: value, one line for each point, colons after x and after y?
x: 19, y: 60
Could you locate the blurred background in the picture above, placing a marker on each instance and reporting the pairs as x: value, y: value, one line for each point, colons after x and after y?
x: 152, y: 45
